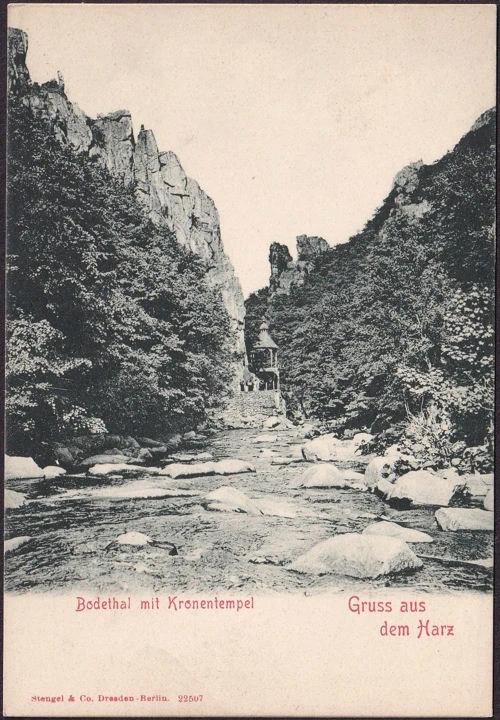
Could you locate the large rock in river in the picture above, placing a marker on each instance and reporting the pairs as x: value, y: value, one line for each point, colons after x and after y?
x: 464, y: 519
x: 390, y: 529
x: 178, y: 470
x: 271, y: 422
x: 362, y: 438
x: 14, y: 543
x: 187, y: 458
x: 228, y: 466
x: 232, y: 466
x: 63, y: 456
x: 478, y: 485
x: 362, y: 556
x: 228, y: 498
x: 424, y: 488
x: 21, y: 468
x: 117, y: 468
x: 13, y: 500
x: 53, y: 471
x: 133, y: 538
x: 266, y: 438
x: 378, y: 469
x: 489, y: 500
x: 280, y: 460
x: 324, y: 475
x: 354, y: 477
x: 138, y: 539
x: 106, y: 460
x: 328, y: 448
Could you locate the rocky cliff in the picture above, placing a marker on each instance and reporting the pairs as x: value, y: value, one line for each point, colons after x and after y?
x: 287, y: 273
x: 394, y: 328
x: 160, y: 183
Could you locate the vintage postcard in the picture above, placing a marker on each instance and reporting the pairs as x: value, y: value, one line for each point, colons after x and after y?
x: 250, y: 352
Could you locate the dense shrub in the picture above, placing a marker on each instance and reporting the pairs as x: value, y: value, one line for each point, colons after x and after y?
x: 398, y: 322
x: 111, y: 323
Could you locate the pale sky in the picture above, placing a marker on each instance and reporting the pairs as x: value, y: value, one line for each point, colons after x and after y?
x: 293, y: 118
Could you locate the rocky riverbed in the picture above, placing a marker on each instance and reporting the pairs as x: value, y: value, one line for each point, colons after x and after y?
x: 116, y: 534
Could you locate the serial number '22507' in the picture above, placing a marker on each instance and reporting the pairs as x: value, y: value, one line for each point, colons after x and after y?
x: 189, y: 698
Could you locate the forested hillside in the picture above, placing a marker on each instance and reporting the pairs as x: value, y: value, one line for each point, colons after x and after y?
x: 111, y: 323
x: 393, y: 330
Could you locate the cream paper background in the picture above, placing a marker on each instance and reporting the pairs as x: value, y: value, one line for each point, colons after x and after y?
x: 291, y: 655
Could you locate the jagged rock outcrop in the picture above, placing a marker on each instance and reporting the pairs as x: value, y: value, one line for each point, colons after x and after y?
x: 160, y: 183
x: 407, y: 179
x: 404, y: 188
x: 287, y: 273
x: 279, y: 260
x: 18, y: 78
x: 309, y: 247
x: 113, y: 144
x: 426, y: 253
x: 486, y: 118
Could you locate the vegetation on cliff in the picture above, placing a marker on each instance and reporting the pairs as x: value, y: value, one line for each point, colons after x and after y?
x: 394, y: 329
x: 111, y: 324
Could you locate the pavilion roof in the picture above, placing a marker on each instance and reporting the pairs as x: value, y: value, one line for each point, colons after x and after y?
x: 265, y: 340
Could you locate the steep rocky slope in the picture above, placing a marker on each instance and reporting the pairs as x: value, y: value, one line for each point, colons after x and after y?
x: 397, y: 323
x: 160, y: 183
x: 287, y: 273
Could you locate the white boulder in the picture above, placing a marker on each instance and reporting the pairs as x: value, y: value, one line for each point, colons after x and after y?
x: 352, y: 476
x: 393, y: 452
x: 324, y: 475
x: 53, y: 471
x: 378, y: 469
x: 14, y: 543
x: 361, y: 556
x: 13, y: 500
x: 361, y: 438
x: 450, y: 472
x: 306, y: 429
x: 464, y: 519
x: 477, y: 485
x: 489, y: 500
x: 137, y: 489
x: 271, y: 422
x: 266, y: 438
x: 296, y: 453
x: 280, y: 460
x: 424, y: 488
x: 385, y: 488
x: 21, y: 468
x: 138, y: 539
x: 232, y: 466
x: 391, y: 529
x: 228, y: 498
x: 178, y: 470
x: 133, y: 538
x: 198, y: 457
x: 112, y: 468
x: 347, y: 451
x: 323, y: 448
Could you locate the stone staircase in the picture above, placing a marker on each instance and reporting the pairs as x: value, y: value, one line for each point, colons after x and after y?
x: 249, y: 409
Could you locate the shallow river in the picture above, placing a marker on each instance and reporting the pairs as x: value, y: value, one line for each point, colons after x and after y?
x: 73, y: 521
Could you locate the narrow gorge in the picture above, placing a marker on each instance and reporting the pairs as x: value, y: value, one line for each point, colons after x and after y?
x: 169, y: 197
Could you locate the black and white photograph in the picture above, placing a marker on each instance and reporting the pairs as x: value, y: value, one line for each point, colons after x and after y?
x: 250, y: 297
